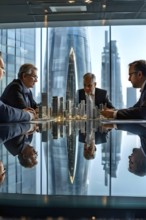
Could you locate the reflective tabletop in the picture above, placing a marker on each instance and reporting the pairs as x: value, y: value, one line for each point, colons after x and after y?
x: 73, y: 168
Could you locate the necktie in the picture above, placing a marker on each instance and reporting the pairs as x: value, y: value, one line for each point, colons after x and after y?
x: 27, y: 99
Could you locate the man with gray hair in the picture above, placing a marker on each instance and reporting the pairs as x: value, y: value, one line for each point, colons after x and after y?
x: 99, y: 96
x: 17, y: 93
x: 10, y: 114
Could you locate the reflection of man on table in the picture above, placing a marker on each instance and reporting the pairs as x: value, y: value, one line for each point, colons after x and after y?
x: 7, y: 133
x: 137, y: 160
x: 91, y: 137
x: 21, y: 145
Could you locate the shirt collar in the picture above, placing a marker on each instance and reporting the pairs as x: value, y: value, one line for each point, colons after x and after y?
x: 143, y: 85
x: 93, y: 93
x: 26, y: 90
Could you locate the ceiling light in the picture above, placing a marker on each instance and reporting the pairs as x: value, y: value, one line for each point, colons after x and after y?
x: 103, y: 22
x: 46, y: 11
x: 104, y: 6
x: 46, y: 18
x: 70, y: 8
x: 88, y: 1
x: 71, y: 1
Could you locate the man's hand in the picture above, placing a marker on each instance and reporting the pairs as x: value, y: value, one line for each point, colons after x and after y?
x: 107, y: 127
x: 108, y: 113
x: 33, y: 128
x: 32, y: 111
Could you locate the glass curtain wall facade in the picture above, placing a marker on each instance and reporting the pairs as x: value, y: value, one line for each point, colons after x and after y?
x: 63, y: 55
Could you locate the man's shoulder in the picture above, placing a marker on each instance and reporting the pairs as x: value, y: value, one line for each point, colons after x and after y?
x: 15, y: 83
x: 81, y: 89
x: 101, y: 91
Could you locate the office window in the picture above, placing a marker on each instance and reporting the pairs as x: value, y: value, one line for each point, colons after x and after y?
x: 11, y: 33
x: 11, y: 50
x: 10, y: 42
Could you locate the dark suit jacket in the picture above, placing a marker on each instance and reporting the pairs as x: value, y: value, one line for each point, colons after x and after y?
x: 100, y: 138
x: 10, y: 114
x: 14, y: 95
x: 8, y: 132
x: 138, y: 111
x: 101, y: 97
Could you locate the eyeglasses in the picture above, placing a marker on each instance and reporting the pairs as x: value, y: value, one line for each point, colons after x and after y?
x: 33, y: 77
x: 130, y: 74
x: 3, y: 69
x: 4, y: 171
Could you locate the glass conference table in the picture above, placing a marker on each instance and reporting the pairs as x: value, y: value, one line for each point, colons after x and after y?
x: 82, y: 169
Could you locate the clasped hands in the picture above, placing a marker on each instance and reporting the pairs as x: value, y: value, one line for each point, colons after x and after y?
x: 32, y: 111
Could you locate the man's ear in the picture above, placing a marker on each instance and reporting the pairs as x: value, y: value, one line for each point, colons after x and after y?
x: 95, y: 84
x: 24, y: 75
x: 140, y: 74
x: 1, y: 72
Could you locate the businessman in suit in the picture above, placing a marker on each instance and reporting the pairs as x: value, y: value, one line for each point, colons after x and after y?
x: 99, y: 96
x: 137, y: 76
x: 10, y: 114
x: 18, y: 93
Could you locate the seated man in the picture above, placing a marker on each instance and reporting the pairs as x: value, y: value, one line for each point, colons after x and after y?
x: 137, y: 76
x: 10, y: 114
x: 99, y: 96
x: 18, y: 93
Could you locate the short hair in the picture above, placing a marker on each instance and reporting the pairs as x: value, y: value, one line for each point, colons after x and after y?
x: 91, y: 75
x: 26, y: 162
x: 139, y: 65
x: 26, y: 68
x: 140, y: 169
x: 88, y: 155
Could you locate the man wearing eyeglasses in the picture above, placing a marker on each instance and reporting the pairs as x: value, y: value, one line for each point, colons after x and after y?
x: 18, y: 93
x: 10, y: 114
x: 137, y: 76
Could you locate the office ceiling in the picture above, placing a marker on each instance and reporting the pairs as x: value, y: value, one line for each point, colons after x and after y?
x: 61, y: 12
